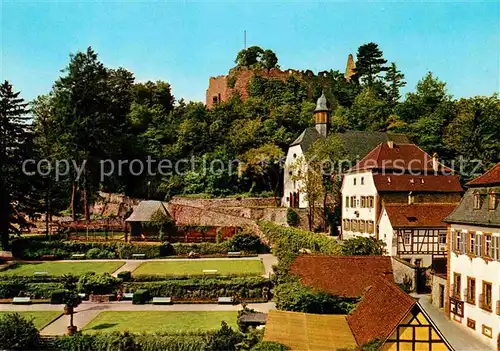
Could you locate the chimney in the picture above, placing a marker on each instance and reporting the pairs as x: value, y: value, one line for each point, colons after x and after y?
x: 435, y: 162
x: 390, y: 143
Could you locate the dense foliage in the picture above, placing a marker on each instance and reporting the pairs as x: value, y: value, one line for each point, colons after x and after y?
x: 297, y: 297
x: 92, y: 283
x: 362, y: 246
x: 17, y: 333
x: 247, y: 242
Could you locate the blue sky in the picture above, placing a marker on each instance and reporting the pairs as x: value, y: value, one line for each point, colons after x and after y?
x: 185, y: 43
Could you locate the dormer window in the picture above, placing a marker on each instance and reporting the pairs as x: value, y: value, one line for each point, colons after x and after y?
x: 492, y: 200
x: 477, y: 201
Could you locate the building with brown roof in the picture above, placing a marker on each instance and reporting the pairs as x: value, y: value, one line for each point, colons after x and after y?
x: 399, y: 194
x: 474, y: 259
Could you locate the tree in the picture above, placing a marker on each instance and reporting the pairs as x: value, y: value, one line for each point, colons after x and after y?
x: 362, y: 246
x: 71, y: 301
x: 475, y: 132
x: 16, y: 189
x: 368, y: 112
x: 269, y: 59
x: 17, y: 333
x: 224, y: 339
x: 370, y: 62
x: 256, y: 57
x: 394, y: 80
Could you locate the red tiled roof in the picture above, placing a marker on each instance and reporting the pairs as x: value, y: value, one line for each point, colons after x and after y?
x: 408, y: 182
x: 489, y: 178
x: 346, y: 276
x: 398, y: 157
x: 418, y: 215
x: 381, y: 310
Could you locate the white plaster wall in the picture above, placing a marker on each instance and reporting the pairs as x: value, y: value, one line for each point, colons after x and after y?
x: 290, y: 186
x: 386, y: 233
x: 481, y: 270
x: 366, y: 189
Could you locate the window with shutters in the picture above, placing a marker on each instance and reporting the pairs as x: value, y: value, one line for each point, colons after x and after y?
x: 495, y: 243
x: 471, y: 291
x: 347, y: 202
x: 363, y: 201
x: 463, y: 244
x: 362, y: 226
x: 457, y: 246
x: 472, y: 243
x: 371, y: 201
x: 354, y: 225
x: 479, y: 245
x: 488, y: 249
x: 485, y: 300
x: 353, y: 201
x: 370, y: 226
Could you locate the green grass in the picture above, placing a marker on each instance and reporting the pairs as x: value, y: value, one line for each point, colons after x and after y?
x: 40, y: 318
x: 61, y: 268
x: 195, y: 267
x: 157, y: 321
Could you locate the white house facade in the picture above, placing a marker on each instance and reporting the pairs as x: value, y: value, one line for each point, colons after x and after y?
x: 474, y: 259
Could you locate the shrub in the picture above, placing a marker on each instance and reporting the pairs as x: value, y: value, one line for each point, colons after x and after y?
x: 17, y: 333
x: 23, y: 287
x: 100, y: 284
x: 245, y: 241
x: 362, y: 246
x: 299, y: 298
x: 287, y: 241
x: 292, y: 218
x: 58, y: 297
x: 204, y: 288
x: 10, y: 289
x: 224, y: 339
x: 125, y: 276
x: 140, y: 297
x: 100, y: 253
x: 270, y: 346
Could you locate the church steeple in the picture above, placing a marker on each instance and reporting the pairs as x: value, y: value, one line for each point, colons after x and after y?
x: 321, y: 114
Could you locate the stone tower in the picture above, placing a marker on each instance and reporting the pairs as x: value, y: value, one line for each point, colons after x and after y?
x: 349, y: 68
x: 321, y: 114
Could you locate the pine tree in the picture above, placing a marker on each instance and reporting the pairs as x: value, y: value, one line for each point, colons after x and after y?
x: 370, y: 62
x: 15, y: 148
x: 394, y: 80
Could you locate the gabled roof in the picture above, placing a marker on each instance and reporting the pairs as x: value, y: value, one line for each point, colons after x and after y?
x: 145, y: 209
x: 307, y: 331
x: 307, y: 138
x: 417, y: 183
x: 418, y: 215
x: 465, y: 213
x: 346, y: 276
x: 357, y: 143
x: 398, y: 157
x: 381, y: 310
x: 492, y: 177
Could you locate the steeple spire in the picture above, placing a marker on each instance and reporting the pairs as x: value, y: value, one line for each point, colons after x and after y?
x: 321, y: 114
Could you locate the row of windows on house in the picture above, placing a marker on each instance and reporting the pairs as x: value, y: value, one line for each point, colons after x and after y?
x: 470, y: 295
x: 478, y: 245
x: 408, y: 238
x: 360, y: 225
x: 493, y: 200
x: 354, y: 181
x: 363, y: 201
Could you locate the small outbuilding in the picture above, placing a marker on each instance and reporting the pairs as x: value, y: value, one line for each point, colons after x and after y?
x: 150, y: 218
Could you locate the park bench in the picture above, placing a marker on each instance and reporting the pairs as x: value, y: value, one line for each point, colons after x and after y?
x: 38, y: 274
x: 210, y: 271
x: 162, y: 300
x: 138, y: 255
x: 128, y: 296
x: 78, y: 256
x: 234, y: 253
x: 227, y: 299
x: 21, y: 300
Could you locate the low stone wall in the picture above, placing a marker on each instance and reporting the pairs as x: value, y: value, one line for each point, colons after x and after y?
x: 225, y: 202
x: 404, y: 272
x: 439, y: 286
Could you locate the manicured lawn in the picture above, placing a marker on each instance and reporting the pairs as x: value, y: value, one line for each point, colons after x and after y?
x: 196, y: 267
x: 40, y: 318
x: 61, y: 268
x: 156, y: 321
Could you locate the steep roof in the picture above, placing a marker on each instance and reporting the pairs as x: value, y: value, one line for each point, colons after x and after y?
x: 381, y: 310
x: 398, y: 157
x: 357, y: 143
x: 145, y: 209
x: 418, y: 215
x: 492, y: 177
x: 417, y: 183
x: 465, y: 213
x: 307, y: 331
x: 346, y: 276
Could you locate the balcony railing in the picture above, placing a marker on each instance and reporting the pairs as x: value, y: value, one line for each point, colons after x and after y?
x: 485, y: 305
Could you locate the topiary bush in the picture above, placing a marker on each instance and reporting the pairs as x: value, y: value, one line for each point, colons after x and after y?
x: 58, y: 297
x: 99, y: 253
x: 17, y: 333
x: 248, y: 242
x: 99, y: 284
x: 140, y: 297
x: 292, y: 218
x: 125, y: 276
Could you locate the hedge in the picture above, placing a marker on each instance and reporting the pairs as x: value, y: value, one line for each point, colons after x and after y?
x: 10, y: 289
x: 32, y: 249
x: 287, y: 241
x: 255, y: 287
